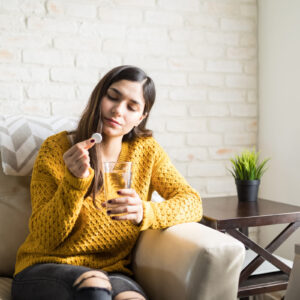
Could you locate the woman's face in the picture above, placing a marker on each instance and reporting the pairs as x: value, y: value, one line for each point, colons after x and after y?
x: 122, y: 108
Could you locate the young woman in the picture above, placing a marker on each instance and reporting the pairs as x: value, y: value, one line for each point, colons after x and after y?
x: 80, y: 245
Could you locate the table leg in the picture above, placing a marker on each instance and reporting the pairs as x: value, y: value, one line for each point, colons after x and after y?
x: 260, y: 258
x: 263, y: 254
x: 245, y: 231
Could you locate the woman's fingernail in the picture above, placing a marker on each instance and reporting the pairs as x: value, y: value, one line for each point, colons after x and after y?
x: 114, y: 218
x: 108, y: 212
x: 92, y: 141
x: 109, y: 201
x: 119, y: 192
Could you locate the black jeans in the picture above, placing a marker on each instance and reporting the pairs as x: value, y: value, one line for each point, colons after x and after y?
x: 49, y: 281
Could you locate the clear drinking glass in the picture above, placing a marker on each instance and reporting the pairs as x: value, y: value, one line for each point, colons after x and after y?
x: 116, y: 176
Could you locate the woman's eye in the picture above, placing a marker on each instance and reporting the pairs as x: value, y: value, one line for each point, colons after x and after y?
x: 111, y: 98
x: 131, y: 108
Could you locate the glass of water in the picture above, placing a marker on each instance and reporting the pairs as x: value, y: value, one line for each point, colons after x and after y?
x: 116, y: 176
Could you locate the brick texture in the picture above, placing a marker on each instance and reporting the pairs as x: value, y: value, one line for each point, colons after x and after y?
x: 202, y: 55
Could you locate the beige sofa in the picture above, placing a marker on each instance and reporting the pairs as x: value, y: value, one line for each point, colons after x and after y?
x: 184, y: 262
x: 293, y: 289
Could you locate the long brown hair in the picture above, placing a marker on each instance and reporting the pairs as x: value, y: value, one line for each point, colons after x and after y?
x: 90, y: 121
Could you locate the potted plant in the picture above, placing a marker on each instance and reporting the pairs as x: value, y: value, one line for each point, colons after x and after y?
x: 247, y: 172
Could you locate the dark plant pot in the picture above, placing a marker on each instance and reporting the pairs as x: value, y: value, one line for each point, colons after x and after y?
x: 247, y: 190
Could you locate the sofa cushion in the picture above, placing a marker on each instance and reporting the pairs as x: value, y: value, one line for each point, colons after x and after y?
x: 14, y: 214
x: 21, y: 137
x: 5, y: 287
x: 20, y: 140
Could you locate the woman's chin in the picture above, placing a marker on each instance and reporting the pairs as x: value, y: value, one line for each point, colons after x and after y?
x: 111, y: 134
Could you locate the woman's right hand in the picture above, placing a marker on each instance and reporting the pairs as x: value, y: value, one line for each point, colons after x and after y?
x: 77, y: 158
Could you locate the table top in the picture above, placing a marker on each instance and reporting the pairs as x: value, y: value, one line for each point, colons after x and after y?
x: 227, y: 212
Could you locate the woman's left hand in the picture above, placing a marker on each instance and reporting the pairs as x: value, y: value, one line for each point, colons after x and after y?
x: 128, y: 204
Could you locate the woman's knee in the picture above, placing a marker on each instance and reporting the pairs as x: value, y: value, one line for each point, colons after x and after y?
x: 93, y: 278
x: 92, y: 285
x: 129, y: 295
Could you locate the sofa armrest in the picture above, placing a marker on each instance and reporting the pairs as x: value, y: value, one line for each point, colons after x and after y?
x: 189, y: 261
x: 293, y: 288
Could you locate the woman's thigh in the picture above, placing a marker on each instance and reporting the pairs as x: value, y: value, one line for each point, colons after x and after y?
x: 46, y: 281
x: 55, y: 281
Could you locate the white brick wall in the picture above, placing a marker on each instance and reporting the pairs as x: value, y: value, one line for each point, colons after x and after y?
x: 202, y: 55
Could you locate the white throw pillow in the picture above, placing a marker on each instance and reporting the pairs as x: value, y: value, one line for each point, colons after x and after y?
x: 21, y: 137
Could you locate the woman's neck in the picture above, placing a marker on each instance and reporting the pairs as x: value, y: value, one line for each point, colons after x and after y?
x: 111, y: 148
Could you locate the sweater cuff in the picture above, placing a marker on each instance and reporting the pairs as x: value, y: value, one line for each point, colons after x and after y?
x: 79, y: 183
x: 148, y: 216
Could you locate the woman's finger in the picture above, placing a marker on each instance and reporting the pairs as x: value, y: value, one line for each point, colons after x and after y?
x: 132, y: 217
x: 130, y: 207
x: 81, y: 157
x: 87, y: 144
x: 77, y: 158
x: 78, y: 154
x: 84, y: 145
x: 76, y: 164
x: 122, y: 201
x: 127, y: 192
x: 122, y: 209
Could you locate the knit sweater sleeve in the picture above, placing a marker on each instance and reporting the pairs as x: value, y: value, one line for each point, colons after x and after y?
x: 56, y: 197
x: 182, y: 203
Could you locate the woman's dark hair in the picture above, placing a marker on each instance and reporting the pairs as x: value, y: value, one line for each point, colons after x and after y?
x: 90, y: 121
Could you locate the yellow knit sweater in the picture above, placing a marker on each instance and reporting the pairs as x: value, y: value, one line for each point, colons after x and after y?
x: 66, y: 228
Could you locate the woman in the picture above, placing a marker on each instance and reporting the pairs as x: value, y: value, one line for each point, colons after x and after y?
x: 80, y: 245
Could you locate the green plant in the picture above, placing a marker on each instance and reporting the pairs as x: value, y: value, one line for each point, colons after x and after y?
x: 246, y: 166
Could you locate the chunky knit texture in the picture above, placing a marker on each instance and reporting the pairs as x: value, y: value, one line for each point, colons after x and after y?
x: 66, y: 228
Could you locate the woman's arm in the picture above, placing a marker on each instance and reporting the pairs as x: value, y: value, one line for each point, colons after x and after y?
x: 56, y: 196
x: 182, y: 203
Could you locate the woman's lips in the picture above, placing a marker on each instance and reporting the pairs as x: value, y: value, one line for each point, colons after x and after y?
x: 112, y: 122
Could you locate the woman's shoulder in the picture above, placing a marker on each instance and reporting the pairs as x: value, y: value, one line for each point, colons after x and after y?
x: 58, y: 141
x: 145, y: 142
x: 146, y: 145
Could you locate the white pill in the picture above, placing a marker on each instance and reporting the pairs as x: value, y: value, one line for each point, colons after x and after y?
x: 97, y: 137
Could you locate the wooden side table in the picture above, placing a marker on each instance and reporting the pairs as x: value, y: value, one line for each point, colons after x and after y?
x: 228, y: 215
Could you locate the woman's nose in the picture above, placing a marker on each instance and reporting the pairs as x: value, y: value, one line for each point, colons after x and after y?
x: 118, y: 108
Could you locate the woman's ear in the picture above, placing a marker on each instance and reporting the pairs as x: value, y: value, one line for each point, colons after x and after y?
x: 142, y: 118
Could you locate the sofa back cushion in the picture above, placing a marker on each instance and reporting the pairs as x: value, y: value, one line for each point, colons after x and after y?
x: 14, y: 214
x: 20, y: 140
